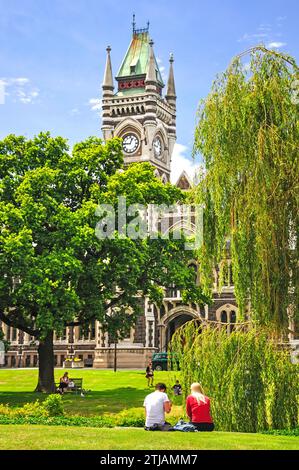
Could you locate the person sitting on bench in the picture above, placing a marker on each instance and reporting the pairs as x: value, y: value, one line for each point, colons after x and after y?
x: 63, y: 383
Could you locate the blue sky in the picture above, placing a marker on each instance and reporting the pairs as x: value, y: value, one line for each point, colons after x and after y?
x: 52, y: 55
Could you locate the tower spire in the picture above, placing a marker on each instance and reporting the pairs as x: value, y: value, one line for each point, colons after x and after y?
x: 151, y: 76
x: 170, y: 94
x: 108, y: 85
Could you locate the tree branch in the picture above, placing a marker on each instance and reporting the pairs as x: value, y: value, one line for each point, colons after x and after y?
x: 19, y: 325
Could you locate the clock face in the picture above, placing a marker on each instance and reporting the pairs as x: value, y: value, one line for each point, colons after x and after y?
x: 130, y: 143
x: 157, y: 144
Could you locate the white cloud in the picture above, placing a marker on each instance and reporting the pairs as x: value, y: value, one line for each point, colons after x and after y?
x: 27, y: 96
x: 180, y: 162
x: 249, y: 37
x: 95, y: 104
x: 276, y: 45
x: 20, y: 81
x: 265, y: 33
x: 20, y: 90
x: 265, y: 27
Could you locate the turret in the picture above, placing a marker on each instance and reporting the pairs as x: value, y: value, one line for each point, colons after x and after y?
x: 151, y: 82
x: 170, y: 94
x: 108, y: 86
x: 137, y: 111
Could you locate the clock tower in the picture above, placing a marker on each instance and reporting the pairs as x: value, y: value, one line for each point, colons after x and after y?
x: 137, y: 111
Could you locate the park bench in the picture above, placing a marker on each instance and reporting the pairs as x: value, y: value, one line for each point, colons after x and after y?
x: 78, y: 386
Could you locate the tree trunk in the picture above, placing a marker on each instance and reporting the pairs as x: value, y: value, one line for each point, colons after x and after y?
x: 46, y: 381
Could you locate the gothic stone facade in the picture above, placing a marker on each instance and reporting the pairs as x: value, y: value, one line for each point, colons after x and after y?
x: 146, y: 121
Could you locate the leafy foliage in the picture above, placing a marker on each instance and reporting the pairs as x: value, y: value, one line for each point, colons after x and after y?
x: 252, y: 383
x: 54, y: 271
x: 248, y: 135
x: 51, y: 406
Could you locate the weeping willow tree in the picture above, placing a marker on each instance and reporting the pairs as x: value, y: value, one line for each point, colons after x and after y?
x: 252, y: 383
x: 248, y: 135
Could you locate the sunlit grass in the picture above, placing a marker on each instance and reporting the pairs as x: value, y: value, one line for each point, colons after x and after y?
x: 50, y: 437
x: 110, y: 392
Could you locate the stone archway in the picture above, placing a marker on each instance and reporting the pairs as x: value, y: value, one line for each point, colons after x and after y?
x: 173, y: 320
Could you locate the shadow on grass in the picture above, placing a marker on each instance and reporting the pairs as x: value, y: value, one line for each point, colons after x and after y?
x: 94, y: 403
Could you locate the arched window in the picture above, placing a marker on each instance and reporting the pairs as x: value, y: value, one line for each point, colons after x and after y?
x: 227, y: 314
x: 233, y: 319
x: 223, y: 317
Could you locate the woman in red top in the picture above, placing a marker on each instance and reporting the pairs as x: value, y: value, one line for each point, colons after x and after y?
x: 198, y: 409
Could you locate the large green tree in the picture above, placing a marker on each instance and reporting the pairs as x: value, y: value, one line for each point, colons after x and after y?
x: 248, y: 134
x: 54, y: 270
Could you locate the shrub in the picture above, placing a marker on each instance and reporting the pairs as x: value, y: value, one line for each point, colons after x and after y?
x: 79, y: 421
x: 134, y: 417
x: 283, y: 432
x: 35, y: 409
x: 53, y: 405
x: 4, y: 410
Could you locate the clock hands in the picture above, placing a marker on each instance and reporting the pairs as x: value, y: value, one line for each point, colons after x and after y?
x: 130, y: 143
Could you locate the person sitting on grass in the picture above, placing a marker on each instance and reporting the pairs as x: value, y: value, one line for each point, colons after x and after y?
x: 177, y: 388
x: 63, y: 383
x: 150, y: 374
x: 198, y: 409
x: 156, y: 405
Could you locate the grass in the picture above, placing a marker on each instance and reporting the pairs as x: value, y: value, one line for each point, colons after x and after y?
x: 112, y: 393
x: 16, y: 437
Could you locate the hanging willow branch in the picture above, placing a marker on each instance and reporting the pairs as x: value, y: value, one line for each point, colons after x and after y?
x: 248, y: 135
x: 251, y: 381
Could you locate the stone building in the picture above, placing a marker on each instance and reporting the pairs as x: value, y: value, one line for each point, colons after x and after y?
x: 144, y: 116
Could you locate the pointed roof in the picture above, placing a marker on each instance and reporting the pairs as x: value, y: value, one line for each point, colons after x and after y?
x: 151, y: 74
x: 184, y: 181
x: 170, y: 84
x: 108, y: 77
x: 137, y: 58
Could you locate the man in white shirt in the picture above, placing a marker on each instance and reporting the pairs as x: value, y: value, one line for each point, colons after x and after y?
x: 156, y: 405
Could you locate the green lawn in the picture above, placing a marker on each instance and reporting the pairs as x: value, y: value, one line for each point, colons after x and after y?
x: 14, y: 437
x: 112, y: 393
